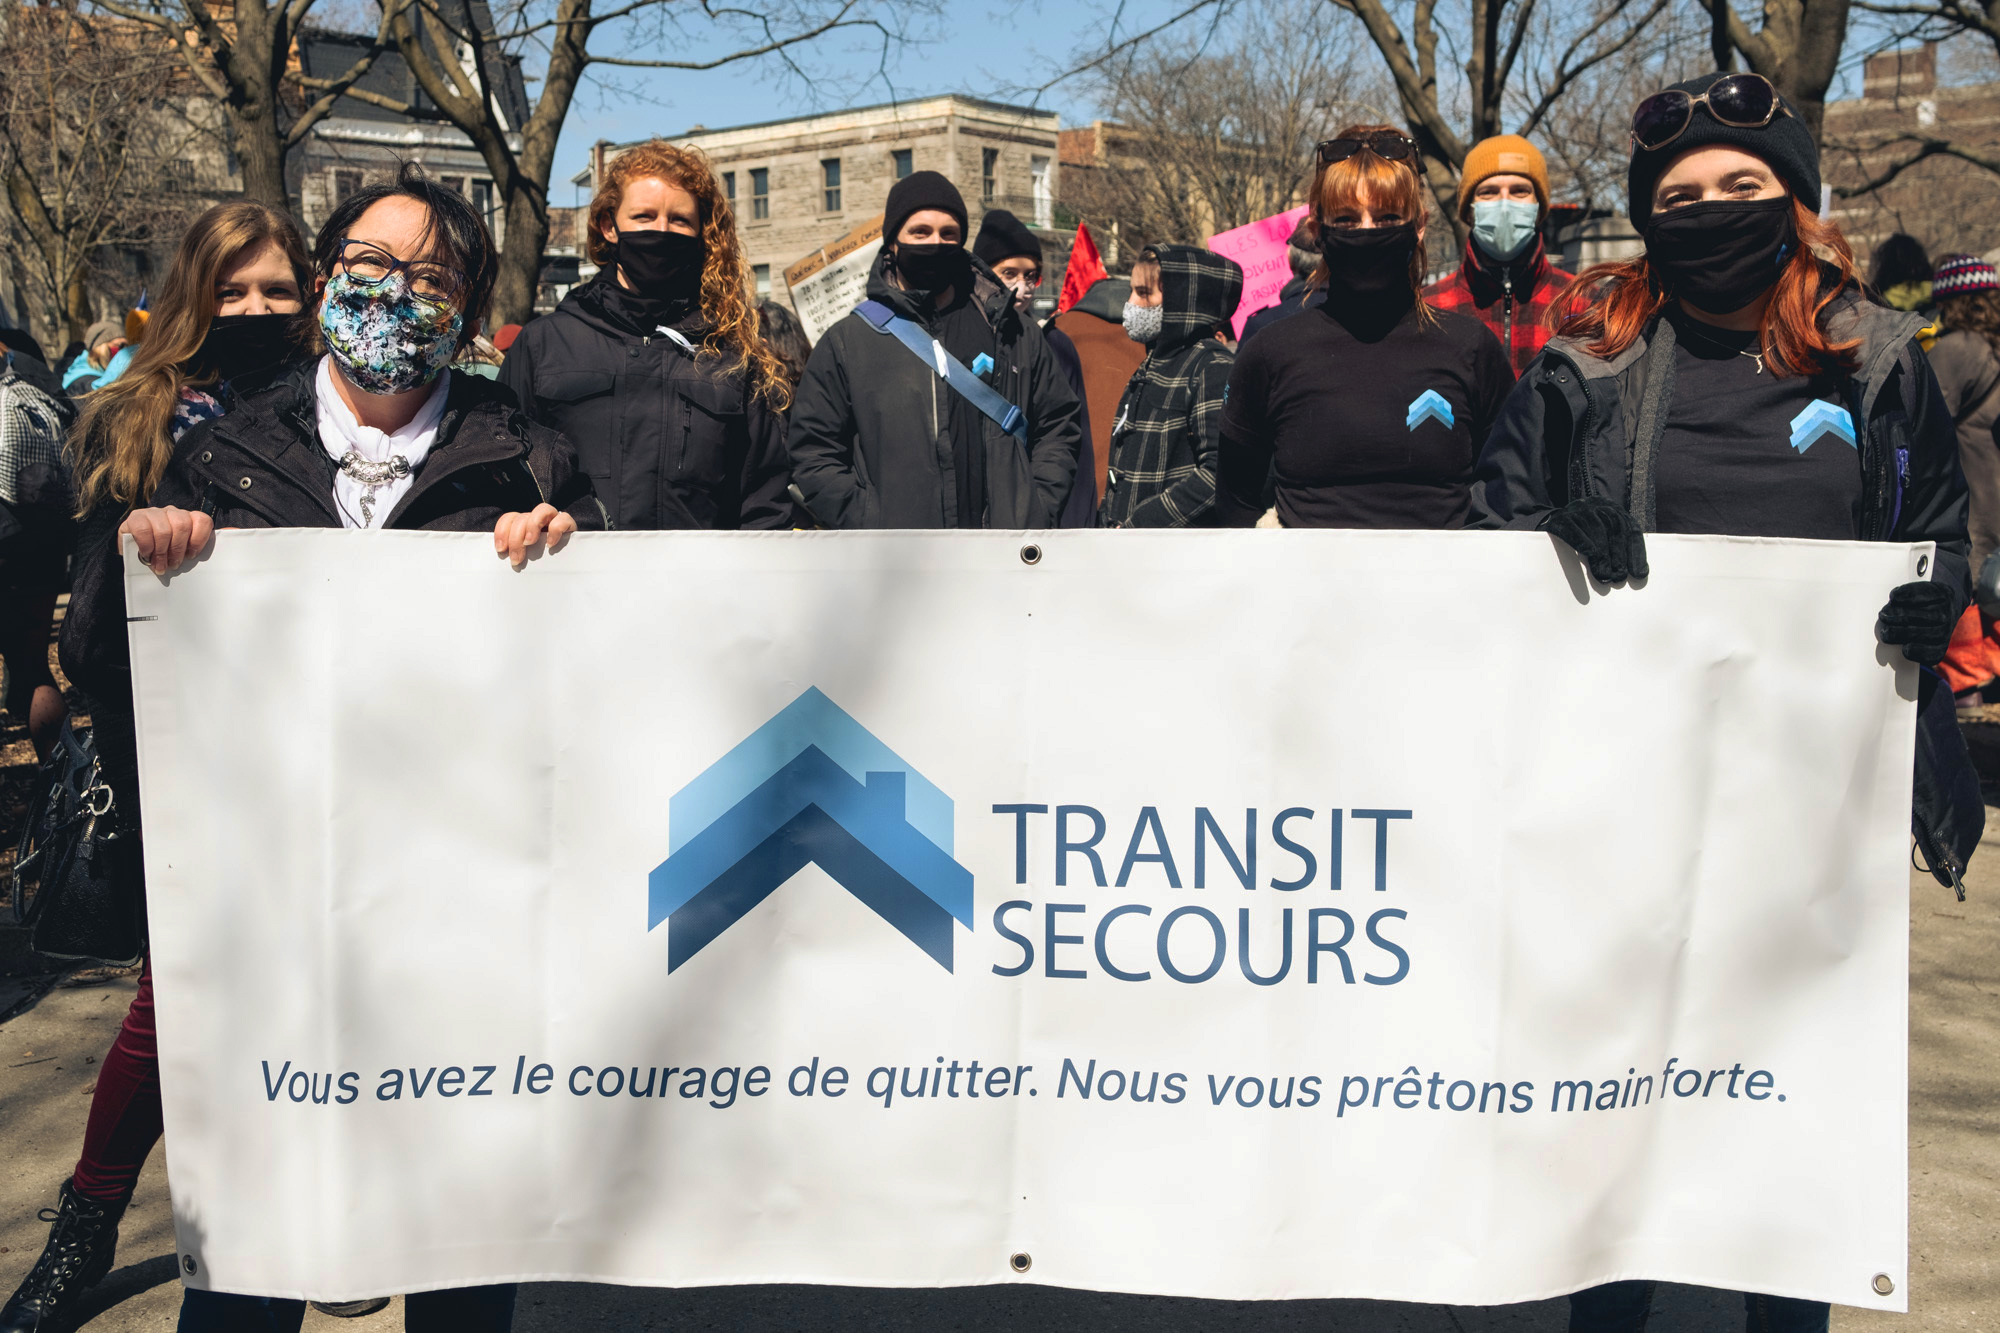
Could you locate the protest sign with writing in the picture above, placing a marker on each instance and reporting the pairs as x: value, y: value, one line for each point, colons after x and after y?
x: 1260, y: 248
x: 829, y: 282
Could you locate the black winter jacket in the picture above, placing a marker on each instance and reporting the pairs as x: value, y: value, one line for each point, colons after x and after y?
x: 1568, y: 430
x: 262, y: 466
x: 868, y: 434
x: 670, y: 440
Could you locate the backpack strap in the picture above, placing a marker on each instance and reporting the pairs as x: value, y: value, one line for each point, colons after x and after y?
x: 946, y: 367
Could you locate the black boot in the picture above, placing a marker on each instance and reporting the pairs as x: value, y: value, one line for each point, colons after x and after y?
x: 78, y: 1255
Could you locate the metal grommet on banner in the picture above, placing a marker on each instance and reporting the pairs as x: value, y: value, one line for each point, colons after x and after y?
x: 1031, y: 554
x: 1923, y: 565
x: 1884, y: 1285
x: 187, y: 1262
x: 1021, y: 1263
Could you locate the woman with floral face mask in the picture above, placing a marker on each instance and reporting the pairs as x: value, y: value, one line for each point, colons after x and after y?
x: 390, y: 438
x: 376, y: 433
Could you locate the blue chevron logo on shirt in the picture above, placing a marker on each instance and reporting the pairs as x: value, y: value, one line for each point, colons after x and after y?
x: 1819, y: 420
x: 812, y: 785
x: 1429, y: 404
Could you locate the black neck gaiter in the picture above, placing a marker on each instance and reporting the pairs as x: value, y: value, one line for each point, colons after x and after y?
x: 1722, y: 254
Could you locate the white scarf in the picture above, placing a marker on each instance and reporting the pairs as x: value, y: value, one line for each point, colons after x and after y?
x: 366, y: 503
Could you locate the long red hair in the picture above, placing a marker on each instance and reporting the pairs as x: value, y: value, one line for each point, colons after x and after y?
x: 1610, y: 305
x: 734, y: 332
x: 1375, y: 183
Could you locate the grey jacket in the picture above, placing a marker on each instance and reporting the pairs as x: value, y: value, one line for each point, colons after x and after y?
x: 1968, y: 373
x: 1574, y: 425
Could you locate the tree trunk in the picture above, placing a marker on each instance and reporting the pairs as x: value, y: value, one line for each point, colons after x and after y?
x: 76, y: 307
x: 260, y: 154
x: 521, y: 254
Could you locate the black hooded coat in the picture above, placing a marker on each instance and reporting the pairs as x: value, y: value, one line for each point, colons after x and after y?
x: 663, y: 433
x: 872, y: 427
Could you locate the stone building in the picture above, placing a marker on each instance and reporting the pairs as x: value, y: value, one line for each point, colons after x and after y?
x: 1947, y: 203
x: 799, y: 184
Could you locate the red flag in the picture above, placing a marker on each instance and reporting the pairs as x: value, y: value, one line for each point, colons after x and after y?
x: 1084, y: 269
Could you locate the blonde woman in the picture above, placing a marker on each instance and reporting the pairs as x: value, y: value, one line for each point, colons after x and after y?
x: 656, y: 369
x: 226, y: 322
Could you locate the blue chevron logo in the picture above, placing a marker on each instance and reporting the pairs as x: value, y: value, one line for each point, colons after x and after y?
x: 1819, y: 420
x: 812, y: 785
x: 1429, y: 404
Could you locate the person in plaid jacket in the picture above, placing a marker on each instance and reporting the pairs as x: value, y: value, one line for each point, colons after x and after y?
x: 1165, y: 436
x: 1506, y: 280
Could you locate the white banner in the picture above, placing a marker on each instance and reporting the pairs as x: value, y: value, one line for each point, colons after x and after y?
x: 1240, y: 915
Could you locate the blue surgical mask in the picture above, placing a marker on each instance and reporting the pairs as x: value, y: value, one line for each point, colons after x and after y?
x: 1503, y: 228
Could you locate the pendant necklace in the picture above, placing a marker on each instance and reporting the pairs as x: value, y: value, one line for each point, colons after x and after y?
x: 372, y: 477
x: 1721, y: 346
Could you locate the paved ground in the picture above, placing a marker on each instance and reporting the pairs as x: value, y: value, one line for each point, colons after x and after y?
x: 52, y: 1037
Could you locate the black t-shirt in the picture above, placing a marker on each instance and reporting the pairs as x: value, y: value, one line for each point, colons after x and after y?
x: 1371, y: 423
x: 1748, y: 453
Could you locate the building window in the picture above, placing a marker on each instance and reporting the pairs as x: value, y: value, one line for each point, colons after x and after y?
x: 829, y: 179
x: 346, y: 184
x: 729, y: 186
x: 482, y: 199
x: 1045, y: 200
x: 905, y: 162
x: 456, y: 184
x: 760, y: 193
x: 989, y: 173
x: 762, y: 273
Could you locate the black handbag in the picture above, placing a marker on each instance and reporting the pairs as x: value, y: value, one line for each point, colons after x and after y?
x: 78, y: 878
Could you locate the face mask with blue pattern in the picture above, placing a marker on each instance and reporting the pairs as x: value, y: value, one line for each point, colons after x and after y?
x: 384, y: 337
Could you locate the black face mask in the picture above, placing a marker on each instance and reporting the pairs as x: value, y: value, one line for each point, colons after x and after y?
x: 933, y: 267
x: 240, y: 346
x: 1369, y: 261
x: 1721, y: 255
x: 662, y: 265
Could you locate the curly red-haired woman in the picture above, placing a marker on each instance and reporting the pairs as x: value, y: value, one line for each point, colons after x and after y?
x: 656, y: 368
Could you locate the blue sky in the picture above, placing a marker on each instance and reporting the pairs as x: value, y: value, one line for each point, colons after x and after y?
x: 983, y: 50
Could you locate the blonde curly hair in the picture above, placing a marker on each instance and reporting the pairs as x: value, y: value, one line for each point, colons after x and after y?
x: 725, y: 302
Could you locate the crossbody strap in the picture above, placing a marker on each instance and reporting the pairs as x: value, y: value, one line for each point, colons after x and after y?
x: 946, y: 367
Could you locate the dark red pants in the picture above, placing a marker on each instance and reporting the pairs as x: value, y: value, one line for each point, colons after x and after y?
x: 125, y: 1111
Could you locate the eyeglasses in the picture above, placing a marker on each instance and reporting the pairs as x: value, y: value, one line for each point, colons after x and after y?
x: 433, y: 284
x: 1386, y: 144
x: 1741, y: 101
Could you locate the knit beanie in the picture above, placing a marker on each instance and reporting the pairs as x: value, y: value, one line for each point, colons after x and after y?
x: 1002, y: 236
x: 1503, y: 155
x: 103, y: 331
x: 1785, y: 144
x: 1964, y: 275
x: 913, y: 194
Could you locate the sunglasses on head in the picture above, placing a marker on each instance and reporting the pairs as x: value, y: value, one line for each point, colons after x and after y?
x: 1741, y: 101
x: 1386, y: 144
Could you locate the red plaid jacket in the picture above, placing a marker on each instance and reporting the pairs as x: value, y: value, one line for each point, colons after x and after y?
x: 1478, y: 290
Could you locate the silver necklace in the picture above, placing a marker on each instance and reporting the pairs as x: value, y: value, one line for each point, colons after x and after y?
x: 372, y: 477
x: 1721, y: 346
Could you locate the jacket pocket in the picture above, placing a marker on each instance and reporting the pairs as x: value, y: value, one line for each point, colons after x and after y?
x: 712, y: 418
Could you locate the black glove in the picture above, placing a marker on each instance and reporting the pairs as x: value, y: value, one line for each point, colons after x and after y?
x: 1608, y: 538
x: 1918, y: 619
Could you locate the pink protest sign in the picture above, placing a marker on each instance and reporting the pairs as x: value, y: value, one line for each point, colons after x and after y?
x: 1260, y: 248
